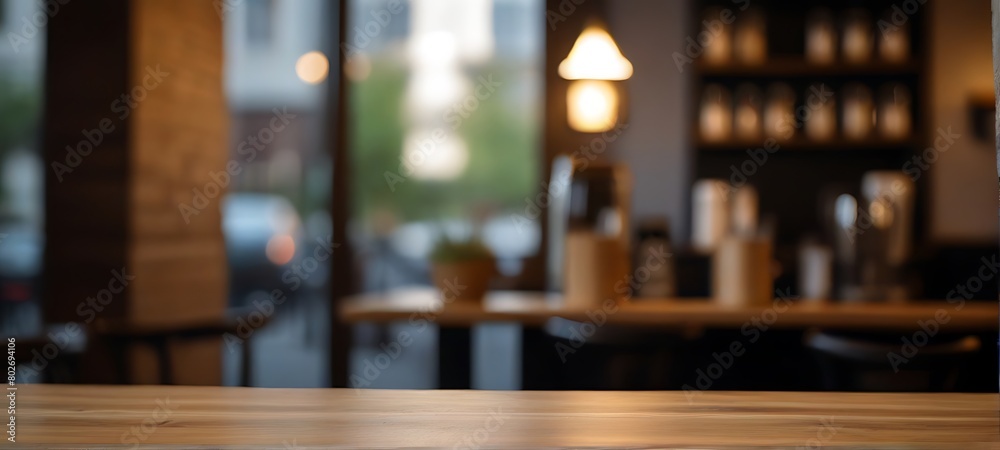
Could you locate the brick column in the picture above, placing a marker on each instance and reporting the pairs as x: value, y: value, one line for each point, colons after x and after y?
x: 136, y: 119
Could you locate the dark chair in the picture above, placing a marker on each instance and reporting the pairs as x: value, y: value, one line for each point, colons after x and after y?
x: 121, y: 334
x: 855, y: 363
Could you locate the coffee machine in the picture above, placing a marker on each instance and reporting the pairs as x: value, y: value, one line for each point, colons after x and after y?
x: 588, y: 229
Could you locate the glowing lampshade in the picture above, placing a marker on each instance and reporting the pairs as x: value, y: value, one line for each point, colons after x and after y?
x: 592, y: 106
x: 595, y: 56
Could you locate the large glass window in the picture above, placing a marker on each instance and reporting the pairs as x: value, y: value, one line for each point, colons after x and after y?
x: 275, y: 215
x: 21, y: 169
x: 445, y: 111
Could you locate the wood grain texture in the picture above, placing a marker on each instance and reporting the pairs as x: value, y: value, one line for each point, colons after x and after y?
x: 57, y: 415
x: 535, y: 308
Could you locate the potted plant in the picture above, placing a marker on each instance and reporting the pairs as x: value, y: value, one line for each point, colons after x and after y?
x: 462, y: 270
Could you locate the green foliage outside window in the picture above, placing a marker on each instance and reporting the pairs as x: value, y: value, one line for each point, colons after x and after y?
x: 502, y: 139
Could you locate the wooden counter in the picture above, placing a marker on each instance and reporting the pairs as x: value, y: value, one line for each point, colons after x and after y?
x: 54, y: 416
x: 689, y: 316
x: 535, y: 308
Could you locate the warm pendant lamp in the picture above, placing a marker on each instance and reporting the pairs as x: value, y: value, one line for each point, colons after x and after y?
x: 593, y: 63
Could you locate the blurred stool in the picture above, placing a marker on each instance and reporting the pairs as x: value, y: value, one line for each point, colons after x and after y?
x: 121, y: 334
x: 863, y: 364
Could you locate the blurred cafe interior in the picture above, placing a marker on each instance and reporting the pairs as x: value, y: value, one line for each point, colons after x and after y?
x: 761, y: 195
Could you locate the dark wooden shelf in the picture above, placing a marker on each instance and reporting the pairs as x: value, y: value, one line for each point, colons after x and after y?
x: 804, y: 144
x: 796, y: 177
x: 793, y: 67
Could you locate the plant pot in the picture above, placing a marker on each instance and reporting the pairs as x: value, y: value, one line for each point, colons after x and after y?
x: 465, y: 281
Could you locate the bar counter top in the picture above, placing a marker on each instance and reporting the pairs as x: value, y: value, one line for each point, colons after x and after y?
x: 68, y: 416
x: 535, y: 308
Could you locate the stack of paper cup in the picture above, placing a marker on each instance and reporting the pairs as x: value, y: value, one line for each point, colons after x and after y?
x: 597, y: 269
x: 741, y: 272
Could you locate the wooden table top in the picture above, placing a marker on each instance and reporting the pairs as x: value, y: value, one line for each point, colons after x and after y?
x: 535, y: 308
x: 64, y: 416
